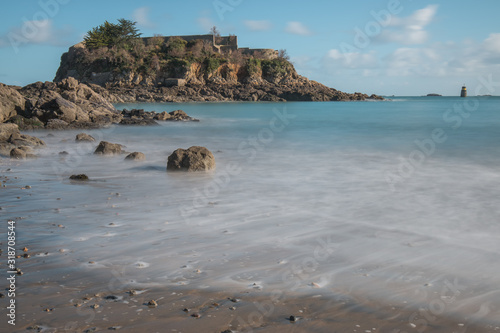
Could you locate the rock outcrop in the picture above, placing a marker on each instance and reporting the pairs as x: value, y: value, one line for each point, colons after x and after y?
x: 11, y: 138
x: 67, y: 104
x: 192, y: 159
x: 107, y: 148
x: 141, y: 117
x: 121, y: 75
x: 11, y: 103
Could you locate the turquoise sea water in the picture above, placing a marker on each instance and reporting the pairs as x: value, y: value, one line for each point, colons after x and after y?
x: 395, y: 201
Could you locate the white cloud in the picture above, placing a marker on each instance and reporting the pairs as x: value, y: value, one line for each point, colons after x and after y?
x: 297, y: 28
x: 351, y: 59
x: 35, y: 32
x: 258, y: 25
x: 409, y: 30
x: 140, y: 15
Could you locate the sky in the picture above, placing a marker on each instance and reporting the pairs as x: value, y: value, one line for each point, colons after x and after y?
x: 386, y: 47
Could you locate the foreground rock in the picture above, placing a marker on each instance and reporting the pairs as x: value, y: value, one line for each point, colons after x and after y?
x: 135, y: 156
x: 192, y: 159
x: 107, y: 148
x: 67, y: 104
x: 11, y: 138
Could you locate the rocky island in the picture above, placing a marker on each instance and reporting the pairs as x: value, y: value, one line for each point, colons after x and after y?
x: 188, y: 68
x: 114, y: 64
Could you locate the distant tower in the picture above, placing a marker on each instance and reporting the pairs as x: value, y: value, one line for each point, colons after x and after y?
x: 463, y: 93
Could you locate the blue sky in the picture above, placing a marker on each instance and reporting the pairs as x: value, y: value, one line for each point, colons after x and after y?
x: 390, y: 47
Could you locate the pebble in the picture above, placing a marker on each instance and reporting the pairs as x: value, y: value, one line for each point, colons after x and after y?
x: 132, y: 292
x: 293, y: 319
x: 95, y: 306
x: 114, y: 328
x: 25, y: 249
x: 195, y: 315
x: 186, y: 310
x: 152, y: 303
x: 19, y: 272
x: 48, y: 310
x: 234, y: 300
x: 111, y: 297
x: 232, y: 308
x: 27, y: 187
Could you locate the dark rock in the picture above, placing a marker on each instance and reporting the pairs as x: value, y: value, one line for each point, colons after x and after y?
x: 82, y: 177
x: 63, y: 153
x: 152, y: 303
x: 192, y: 159
x: 84, y: 137
x: 107, y: 148
x: 138, y: 122
x: 293, y: 319
x: 136, y: 156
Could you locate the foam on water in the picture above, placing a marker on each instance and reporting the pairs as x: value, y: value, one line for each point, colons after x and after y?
x: 301, y: 204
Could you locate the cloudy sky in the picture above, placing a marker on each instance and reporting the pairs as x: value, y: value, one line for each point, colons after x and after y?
x: 390, y: 47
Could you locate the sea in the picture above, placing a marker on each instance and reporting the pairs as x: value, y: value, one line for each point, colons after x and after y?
x: 395, y: 201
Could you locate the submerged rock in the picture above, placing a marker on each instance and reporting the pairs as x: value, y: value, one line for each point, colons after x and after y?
x: 81, y: 177
x: 84, y: 137
x: 195, y: 158
x: 107, y: 148
x: 136, y: 156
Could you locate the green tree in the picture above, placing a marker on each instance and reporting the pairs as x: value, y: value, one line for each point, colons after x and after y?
x: 111, y: 34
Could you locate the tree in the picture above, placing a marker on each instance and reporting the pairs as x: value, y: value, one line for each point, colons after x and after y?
x: 111, y: 34
x: 214, y: 31
x: 283, y: 54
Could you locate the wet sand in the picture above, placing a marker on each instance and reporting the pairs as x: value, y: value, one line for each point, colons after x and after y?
x: 49, y: 307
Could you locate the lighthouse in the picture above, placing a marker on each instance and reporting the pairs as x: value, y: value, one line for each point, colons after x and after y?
x: 463, y: 93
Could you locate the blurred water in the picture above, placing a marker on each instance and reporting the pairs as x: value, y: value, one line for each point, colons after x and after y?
x: 395, y: 200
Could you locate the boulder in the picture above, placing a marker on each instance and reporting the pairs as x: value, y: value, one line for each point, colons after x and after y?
x: 136, y: 156
x: 18, y: 154
x: 84, y: 137
x: 6, y: 131
x: 107, y: 148
x: 179, y: 115
x: 162, y: 116
x: 11, y: 103
x: 192, y: 159
x: 18, y: 139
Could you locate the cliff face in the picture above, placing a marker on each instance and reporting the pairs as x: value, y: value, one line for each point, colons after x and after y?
x: 147, y: 74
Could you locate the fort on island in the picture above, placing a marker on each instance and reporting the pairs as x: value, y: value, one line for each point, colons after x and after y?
x: 223, y: 45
